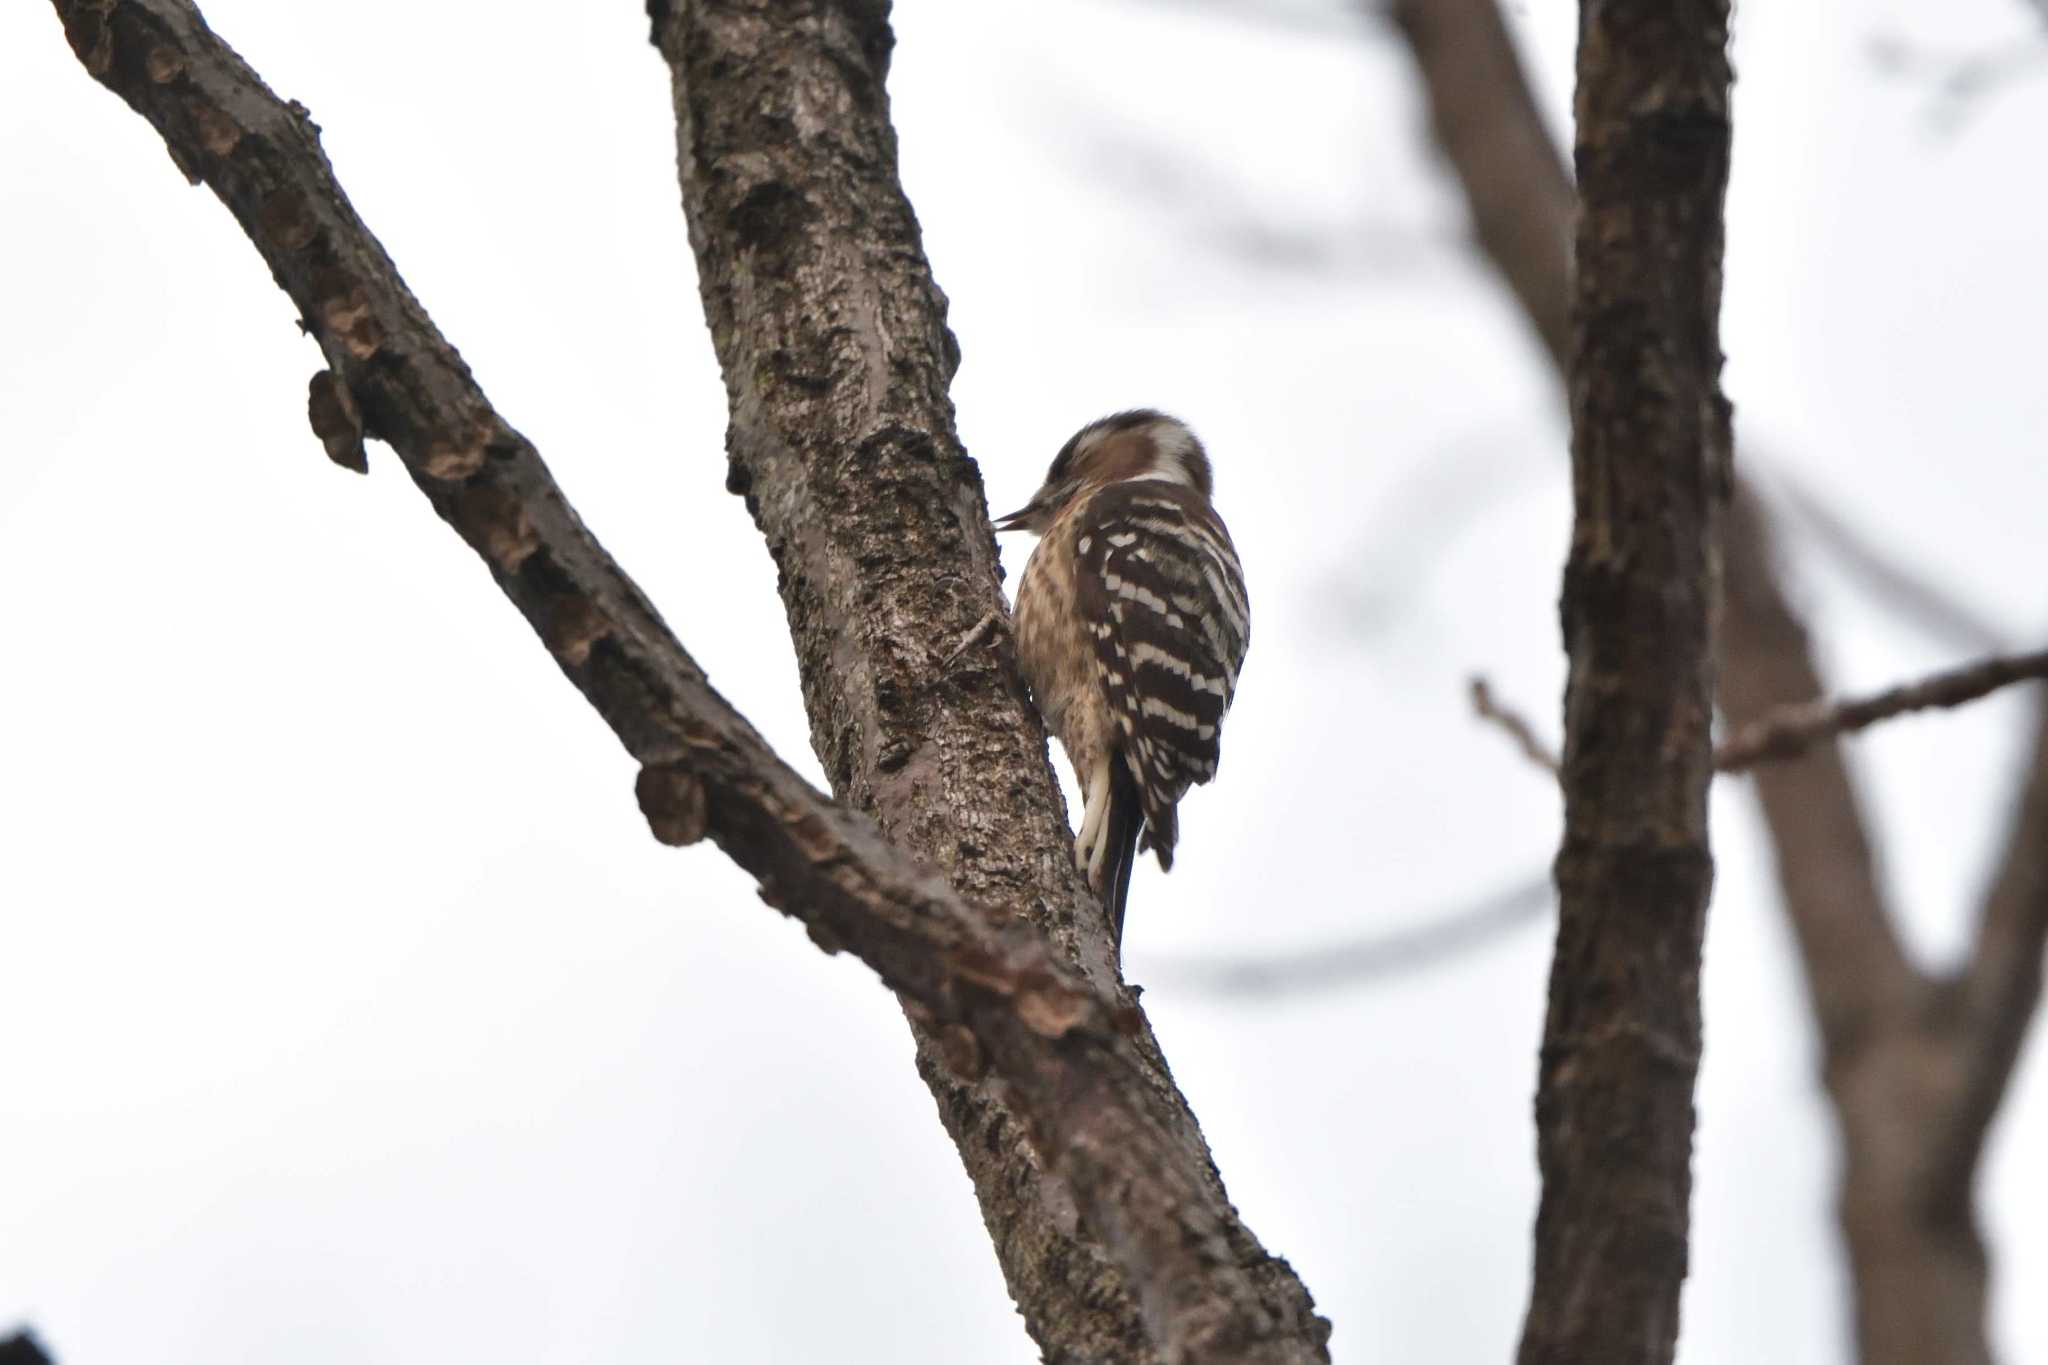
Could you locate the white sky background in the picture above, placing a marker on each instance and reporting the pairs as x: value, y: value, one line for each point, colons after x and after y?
x: 352, y: 1016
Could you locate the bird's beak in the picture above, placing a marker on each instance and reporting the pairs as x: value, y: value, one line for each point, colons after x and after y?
x: 1018, y: 520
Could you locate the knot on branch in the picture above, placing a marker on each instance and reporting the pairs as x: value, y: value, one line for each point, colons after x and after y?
x: 657, y: 19
x: 453, y: 460
x: 287, y: 220
x: 572, y: 625
x: 961, y: 1051
x: 186, y: 167
x: 674, y: 802
x: 218, y: 132
x: 345, y: 311
x: 163, y: 65
x: 496, y: 521
x: 1047, y: 1005
x: 336, y: 420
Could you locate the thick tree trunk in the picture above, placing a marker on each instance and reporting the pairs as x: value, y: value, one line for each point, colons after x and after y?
x: 832, y: 337
x: 1650, y: 468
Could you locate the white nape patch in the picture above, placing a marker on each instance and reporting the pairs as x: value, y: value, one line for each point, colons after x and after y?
x: 1174, y: 446
x: 1166, y: 467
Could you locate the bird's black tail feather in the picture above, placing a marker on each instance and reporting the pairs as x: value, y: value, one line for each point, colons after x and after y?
x: 1126, y: 821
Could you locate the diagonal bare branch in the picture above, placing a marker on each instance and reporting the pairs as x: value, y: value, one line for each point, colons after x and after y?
x: 1516, y: 186
x: 1791, y: 730
x: 990, y: 989
x: 1856, y: 969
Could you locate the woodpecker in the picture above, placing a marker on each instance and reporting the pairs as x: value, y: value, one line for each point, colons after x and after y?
x: 1131, y: 626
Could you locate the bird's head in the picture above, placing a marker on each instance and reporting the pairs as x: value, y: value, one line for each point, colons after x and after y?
x: 1140, y: 444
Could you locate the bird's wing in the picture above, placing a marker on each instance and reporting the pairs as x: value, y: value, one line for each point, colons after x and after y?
x: 1164, y: 594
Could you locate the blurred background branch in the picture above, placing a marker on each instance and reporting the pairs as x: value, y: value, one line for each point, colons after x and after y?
x: 1960, y: 85
x: 1795, y: 727
x: 1437, y: 939
x: 1909, y: 592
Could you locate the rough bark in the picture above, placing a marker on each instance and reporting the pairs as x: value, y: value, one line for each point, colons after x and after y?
x: 1650, y: 453
x: 1001, y: 1002
x: 832, y: 337
x: 1914, y: 1067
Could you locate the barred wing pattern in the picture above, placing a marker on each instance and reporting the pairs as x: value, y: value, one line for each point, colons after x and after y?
x: 1164, y: 595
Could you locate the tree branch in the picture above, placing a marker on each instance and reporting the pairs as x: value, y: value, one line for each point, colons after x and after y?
x: 997, y: 995
x: 1896, y: 1068
x: 1650, y: 470
x: 1789, y: 731
x: 1516, y: 186
x: 2001, y: 986
x: 1855, y: 968
x: 1520, y: 196
x: 1515, y: 726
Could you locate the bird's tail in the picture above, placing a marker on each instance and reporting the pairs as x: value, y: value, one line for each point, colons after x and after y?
x: 1126, y: 821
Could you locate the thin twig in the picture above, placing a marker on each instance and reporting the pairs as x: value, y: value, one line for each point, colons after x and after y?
x: 1515, y: 726
x: 1791, y: 730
